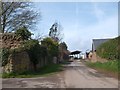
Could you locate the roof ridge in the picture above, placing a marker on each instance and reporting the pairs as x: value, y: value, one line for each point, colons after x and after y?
x: 103, y: 39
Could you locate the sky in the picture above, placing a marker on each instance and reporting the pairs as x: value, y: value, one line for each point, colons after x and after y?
x: 81, y: 21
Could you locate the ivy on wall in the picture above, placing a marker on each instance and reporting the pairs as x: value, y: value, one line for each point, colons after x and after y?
x: 4, y: 54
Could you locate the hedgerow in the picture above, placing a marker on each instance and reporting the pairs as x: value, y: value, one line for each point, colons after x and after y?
x: 110, y: 49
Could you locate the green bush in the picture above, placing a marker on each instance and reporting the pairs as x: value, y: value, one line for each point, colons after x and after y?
x: 35, y: 50
x: 24, y: 33
x: 52, y: 47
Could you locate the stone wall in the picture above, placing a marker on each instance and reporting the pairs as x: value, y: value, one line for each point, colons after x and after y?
x: 9, y: 40
x: 17, y: 62
x: 20, y: 62
x: 96, y: 58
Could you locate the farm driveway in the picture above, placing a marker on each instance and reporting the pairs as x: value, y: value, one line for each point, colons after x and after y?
x: 75, y: 75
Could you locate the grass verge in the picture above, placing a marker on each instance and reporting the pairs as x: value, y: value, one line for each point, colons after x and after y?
x: 45, y: 71
x: 110, y: 68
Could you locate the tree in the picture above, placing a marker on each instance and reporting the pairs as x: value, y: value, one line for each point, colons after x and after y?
x: 63, y: 45
x: 64, y: 53
x: 15, y: 15
x: 52, y: 47
x: 24, y: 33
x: 35, y: 51
x: 55, y: 32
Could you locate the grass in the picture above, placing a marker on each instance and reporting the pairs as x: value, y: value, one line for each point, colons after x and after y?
x: 0, y: 75
x: 111, y: 66
x: 45, y: 71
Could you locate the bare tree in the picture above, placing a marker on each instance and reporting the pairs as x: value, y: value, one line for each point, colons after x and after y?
x: 40, y: 36
x: 55, y: 32
x: 15, y: 15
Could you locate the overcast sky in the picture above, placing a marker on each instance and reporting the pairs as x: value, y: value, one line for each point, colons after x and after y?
x: 81, y: 21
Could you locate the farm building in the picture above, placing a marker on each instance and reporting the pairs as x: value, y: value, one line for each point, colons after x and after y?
x: 97, y: 42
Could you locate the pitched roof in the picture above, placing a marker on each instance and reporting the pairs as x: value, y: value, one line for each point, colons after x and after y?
x: 98, y: 42
x: 75, y: 52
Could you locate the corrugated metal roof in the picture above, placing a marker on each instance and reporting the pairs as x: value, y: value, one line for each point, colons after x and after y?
x: 98, y: 42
